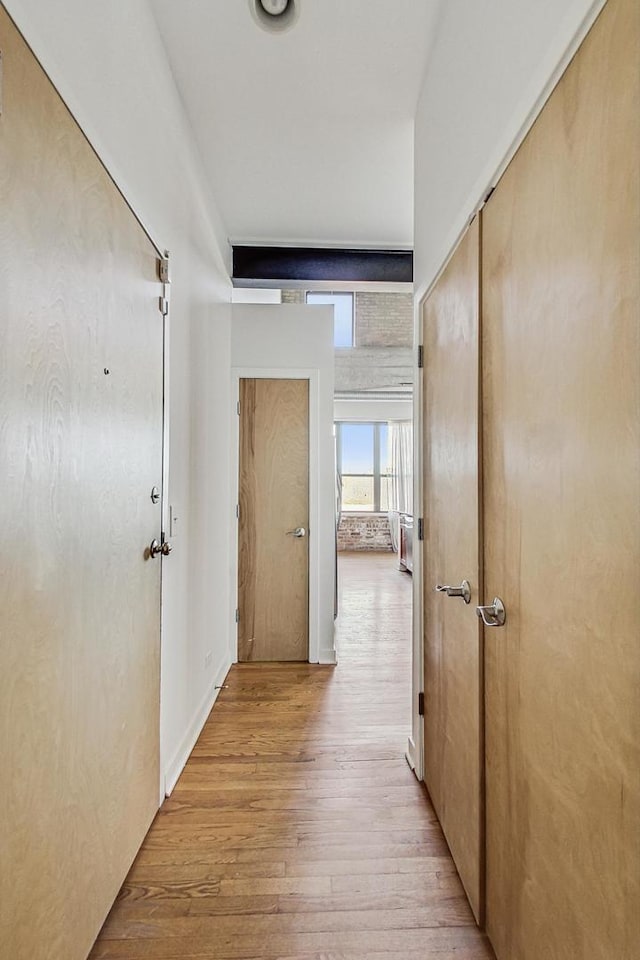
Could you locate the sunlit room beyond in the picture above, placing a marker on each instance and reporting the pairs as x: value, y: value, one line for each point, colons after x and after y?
x: 373, y: 339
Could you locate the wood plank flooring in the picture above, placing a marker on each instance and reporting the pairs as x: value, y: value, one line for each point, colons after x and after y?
x: 297, y: 830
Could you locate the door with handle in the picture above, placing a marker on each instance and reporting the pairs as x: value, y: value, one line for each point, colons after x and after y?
x: 273, y: 541
x: 81, y: 393
x: 561, y: 290
x: 452, y: 635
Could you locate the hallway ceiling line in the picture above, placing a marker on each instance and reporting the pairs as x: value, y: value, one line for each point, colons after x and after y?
x: 306, y: 136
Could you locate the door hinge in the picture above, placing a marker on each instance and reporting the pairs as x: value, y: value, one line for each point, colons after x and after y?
x: 421, y: 704
x: 237, y: 615
x: 420, y: 528
x: 164, y: 269
x: 165, y: 279
x: 237, y: 511
x: 420, y: 356
x: 238, y: 408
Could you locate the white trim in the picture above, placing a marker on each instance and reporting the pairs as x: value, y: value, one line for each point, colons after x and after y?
x: 164, y: 503
x: 328, y: 657
x: 310, y: 374
x: 566, y: 43
x: 188, y: 742
x: 415, y: 745
x: 250, y: 241
x: 412, y: 756
x: 336, y: 286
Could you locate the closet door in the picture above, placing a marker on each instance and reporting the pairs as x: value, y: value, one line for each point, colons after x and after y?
x: 561, y: 322
x: 452, y: 636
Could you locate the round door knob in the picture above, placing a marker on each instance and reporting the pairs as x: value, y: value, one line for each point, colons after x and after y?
x: 166, y: 548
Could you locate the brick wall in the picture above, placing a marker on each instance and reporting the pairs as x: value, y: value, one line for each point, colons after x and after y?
x: 364, y: 532
x: 381, y: 319
x: 383, y: 353
x: 293, y: 296
x: 384, y: 320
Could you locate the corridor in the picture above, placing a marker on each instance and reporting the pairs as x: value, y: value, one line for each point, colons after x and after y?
x: 297, y: 831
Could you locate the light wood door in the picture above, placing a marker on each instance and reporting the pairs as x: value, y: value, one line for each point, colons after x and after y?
x: 273, y: 564
x: 453, y: 746
x: 80, y: 450
x: 561, y: 320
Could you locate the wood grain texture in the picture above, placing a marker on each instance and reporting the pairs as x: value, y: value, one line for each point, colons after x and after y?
x: 561, y: 321
x: 273, y: 568
x: 80, y: 450
x: 453, y: 656
x: 297, y: 829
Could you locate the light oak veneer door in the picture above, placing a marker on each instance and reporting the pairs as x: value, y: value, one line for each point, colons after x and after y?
x: 561, y: 320
x: 80, y: 450
x: 453, y: 759
x: 273, y: 564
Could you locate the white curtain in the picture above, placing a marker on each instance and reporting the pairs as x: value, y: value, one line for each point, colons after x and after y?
x: 401, y: 483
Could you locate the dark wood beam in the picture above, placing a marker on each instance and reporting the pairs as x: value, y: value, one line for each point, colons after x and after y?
x: 253, y: 264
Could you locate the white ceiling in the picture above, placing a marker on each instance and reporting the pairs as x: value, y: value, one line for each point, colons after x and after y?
x: 306, y: 136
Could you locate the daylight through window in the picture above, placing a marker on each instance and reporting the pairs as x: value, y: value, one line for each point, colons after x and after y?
x: 364, y: 466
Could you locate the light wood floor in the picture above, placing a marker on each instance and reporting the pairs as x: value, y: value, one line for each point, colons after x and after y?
x: 297, y: 830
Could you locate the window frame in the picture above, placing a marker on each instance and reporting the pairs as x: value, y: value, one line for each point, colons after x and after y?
x: 338, y: 293
x: 377, y: 472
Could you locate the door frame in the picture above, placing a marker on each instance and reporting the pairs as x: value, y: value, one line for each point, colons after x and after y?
x: 415, y: 745
x: 279, y: 373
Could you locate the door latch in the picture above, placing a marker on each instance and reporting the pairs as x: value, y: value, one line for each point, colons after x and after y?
x: 463, y: 591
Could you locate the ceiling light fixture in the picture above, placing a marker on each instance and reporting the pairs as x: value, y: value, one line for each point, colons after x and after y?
x: 276, y: 16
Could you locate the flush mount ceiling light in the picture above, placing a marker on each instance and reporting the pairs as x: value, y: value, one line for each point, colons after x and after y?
x: 275, y: 15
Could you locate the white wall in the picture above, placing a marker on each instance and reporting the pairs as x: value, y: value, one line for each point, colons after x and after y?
x: 108, y: 62
x: 490, y: 63
x: 255, y: 295
x: 296, y: 337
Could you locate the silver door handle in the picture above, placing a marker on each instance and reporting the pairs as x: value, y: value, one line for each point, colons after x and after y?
x: 464, y: 590
x: 298, y: 532
x: 156, y: 548
x: 494, y: 615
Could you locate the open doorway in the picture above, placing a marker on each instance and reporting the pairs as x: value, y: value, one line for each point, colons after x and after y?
x: 373, y: 410
x: 373, y: 421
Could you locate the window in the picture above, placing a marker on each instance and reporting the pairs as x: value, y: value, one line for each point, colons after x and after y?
x: 363, y: 464
x: 342, y: 304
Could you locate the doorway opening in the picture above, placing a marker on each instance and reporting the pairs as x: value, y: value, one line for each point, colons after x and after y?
x: 373, y: 361
x: 373, y: 427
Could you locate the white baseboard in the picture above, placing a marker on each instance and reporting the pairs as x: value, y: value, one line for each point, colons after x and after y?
x: 177, y: 764
x: 411, y: 755
x: 328, y: 656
